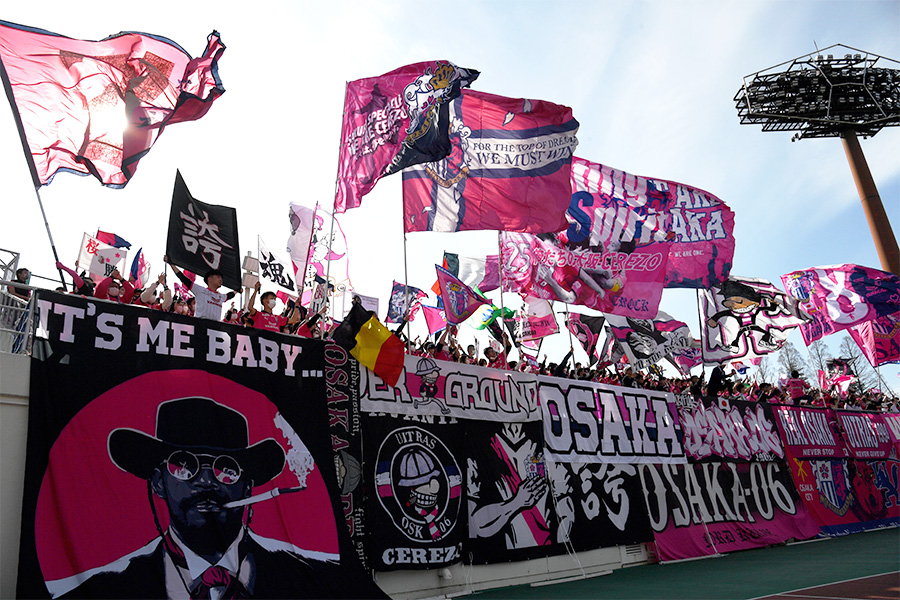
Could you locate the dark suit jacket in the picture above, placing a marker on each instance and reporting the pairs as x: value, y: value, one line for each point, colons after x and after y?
x: 278, y: 575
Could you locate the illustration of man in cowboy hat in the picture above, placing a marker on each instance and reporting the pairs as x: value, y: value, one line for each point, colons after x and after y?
x: 201, y: 465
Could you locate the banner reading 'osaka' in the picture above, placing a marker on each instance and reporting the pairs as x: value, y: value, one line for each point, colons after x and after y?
x: 173, y: 457
x: 415, y: 514
x: 593, y: 422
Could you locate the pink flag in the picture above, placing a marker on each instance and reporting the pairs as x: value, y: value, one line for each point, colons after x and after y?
x: 623, y: 283
x: 508, y: 169
x: 879, y: 339
x: 538, y: 321
x: 840, y: 296
x: 612, y: 210
x: 97, y: 107
x: 393, y: 121
x: 460, y: 302
x: 434, y: 318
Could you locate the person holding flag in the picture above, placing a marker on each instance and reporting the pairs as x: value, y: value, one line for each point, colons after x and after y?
x: 209, y: 300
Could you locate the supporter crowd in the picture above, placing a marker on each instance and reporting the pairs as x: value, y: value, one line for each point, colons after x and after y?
x: 208, y: 302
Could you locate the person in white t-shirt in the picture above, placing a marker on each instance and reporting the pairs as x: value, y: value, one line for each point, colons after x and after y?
x: 209, y: 299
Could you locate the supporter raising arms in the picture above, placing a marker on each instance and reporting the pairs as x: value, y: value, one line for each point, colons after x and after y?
x: 209, y: 300
x: 149, y: 296
x: 115, y: 289
x: 265, y: 318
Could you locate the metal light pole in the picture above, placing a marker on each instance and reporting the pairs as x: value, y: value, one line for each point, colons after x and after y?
x: 819, y: 95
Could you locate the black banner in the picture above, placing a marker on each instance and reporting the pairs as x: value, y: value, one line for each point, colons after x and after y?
x: 170, y: 456
x: 203, y: 236
x: 415, y: 511
x: 510, y: 507
x: 599, y: 505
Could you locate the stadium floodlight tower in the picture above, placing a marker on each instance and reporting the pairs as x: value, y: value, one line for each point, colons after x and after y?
x: 835, y: 92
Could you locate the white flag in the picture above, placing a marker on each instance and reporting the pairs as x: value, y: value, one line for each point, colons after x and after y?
x: 302, y: 219
x: 273, y: 268
x: 100, y: 259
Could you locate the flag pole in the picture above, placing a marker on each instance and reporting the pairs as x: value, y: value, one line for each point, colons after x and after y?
x: 337, y: 181
x: 50, y: 235
x: 32, y: 168
x: 700, y: 333
x: 406, y: 305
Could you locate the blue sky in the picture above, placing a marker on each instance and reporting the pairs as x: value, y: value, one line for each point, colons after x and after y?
x: 650, y: 82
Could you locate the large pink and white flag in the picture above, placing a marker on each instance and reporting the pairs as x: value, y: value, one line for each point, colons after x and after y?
x: 744, y: 318
x: 879, y: 339
x: 95, y: 108
x: 508, y: 169
x: 613, y: 211
x: 99, y: 259
x: 538, y: 320
x: 393, y: 121
x: 627, y: 284
x: 838, y: 297
x: 300, y: 240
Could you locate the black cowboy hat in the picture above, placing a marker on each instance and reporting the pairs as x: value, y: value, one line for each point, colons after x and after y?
x: 201, y: 426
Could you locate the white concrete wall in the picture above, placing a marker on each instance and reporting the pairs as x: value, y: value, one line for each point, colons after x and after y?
x: 14, y: 378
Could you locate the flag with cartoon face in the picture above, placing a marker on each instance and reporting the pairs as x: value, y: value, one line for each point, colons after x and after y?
x: 415, y: 515
x: 744, y: 318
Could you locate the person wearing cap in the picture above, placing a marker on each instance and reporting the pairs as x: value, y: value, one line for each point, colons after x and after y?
x: 198, y: 463
x: 209, y: 299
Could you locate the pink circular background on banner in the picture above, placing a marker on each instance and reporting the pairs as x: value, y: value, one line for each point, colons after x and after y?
x: 90, y: 512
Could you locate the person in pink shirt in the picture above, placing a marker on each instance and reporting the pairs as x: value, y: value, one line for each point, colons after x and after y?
x: 796, y: 387
x: 265, y: 318
x: 115, y: 289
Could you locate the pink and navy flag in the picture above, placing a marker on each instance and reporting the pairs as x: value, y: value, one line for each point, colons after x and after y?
x: 879, y: 339
x: 838, y: 297
x: 95, y: 108
x: 508, y: 169
x: 113, y: 240
x: 586, y: 329
x: 140, y: 269
x: 398, y: 303
x: 393, y: 121
x: 615, y: 212
x: 460, y: 302
x: 744, y: 318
